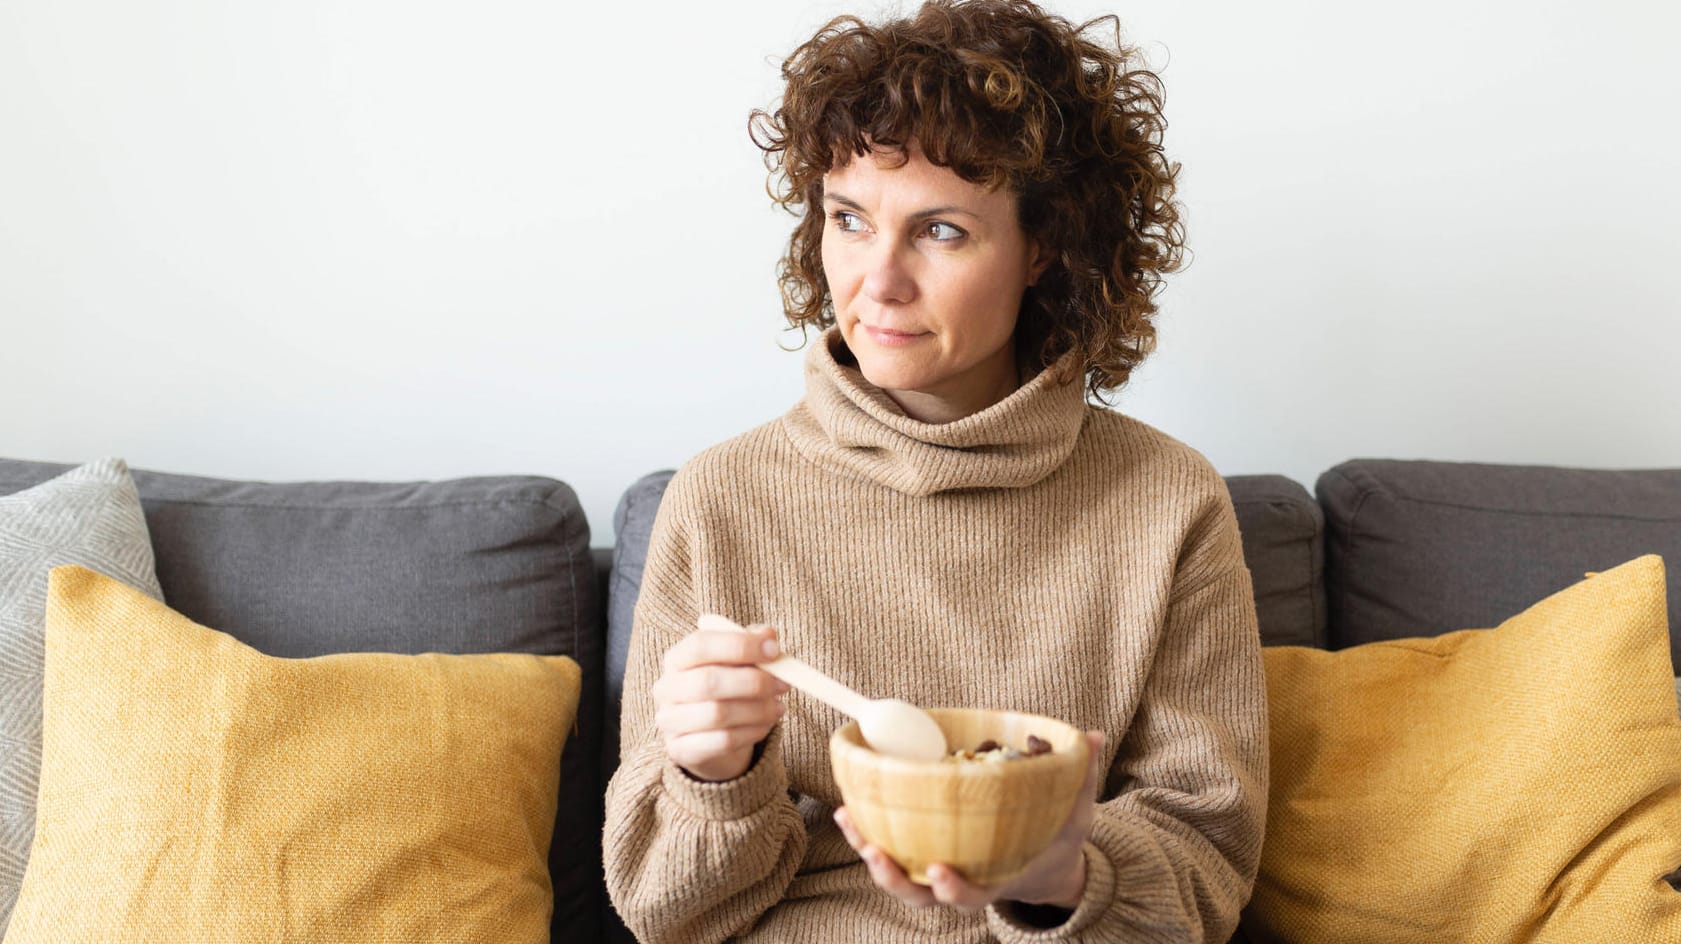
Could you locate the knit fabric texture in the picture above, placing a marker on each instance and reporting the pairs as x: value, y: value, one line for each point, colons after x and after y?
x: 1507, y: 785
x: 1041, y: 555
x: 194, y: 789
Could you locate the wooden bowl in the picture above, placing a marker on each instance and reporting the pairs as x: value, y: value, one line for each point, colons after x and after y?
x: 986, y: 820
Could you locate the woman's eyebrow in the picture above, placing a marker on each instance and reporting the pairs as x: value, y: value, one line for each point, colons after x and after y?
x: 945, y: 210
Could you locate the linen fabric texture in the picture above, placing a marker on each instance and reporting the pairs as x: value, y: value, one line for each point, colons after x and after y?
x: 1515, y: 784
x: 1040, y: 555
x: 471, y: 565
x: 91, y: 516
x: 193, y: 789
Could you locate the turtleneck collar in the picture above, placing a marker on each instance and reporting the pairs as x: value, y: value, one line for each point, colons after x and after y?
x: 847, y: 425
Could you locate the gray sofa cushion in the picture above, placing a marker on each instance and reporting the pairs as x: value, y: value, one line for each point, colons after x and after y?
x: 472, y: 565
x: 1283, y: 544
x: 1279, y: 521
x: 1421, y: 548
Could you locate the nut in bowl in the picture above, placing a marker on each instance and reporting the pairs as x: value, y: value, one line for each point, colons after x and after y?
x: 986, y: 820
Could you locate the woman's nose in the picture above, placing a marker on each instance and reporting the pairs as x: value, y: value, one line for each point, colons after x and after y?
x: 887, y: 276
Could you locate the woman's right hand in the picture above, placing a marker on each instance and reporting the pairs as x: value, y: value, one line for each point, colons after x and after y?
x: 713, y: 704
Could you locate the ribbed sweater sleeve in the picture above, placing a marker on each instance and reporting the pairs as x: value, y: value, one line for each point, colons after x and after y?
x: 1173, y: 854
x: 689, y: 861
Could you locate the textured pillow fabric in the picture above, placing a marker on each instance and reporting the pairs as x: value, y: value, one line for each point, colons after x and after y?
x: 193, y: 789
x: 90, y: 516
x: 1518, y: 784
x: 489, y: 564
x: 1416, y: 547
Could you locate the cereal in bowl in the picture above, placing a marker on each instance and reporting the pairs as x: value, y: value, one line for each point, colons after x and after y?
x: 991, y: 752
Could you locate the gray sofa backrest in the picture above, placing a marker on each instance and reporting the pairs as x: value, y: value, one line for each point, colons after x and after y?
x: 1422, y: 548
x: 471, y: 565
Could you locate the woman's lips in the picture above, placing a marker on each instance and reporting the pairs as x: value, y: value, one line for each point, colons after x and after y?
x: 890, y: 338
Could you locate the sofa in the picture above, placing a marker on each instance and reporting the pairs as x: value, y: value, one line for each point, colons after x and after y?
x: 1383, y: 550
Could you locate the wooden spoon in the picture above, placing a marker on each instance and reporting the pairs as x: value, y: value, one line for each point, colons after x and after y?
x: 889, y: 726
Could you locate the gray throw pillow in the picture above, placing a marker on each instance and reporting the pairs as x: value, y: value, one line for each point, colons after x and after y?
x: 90, y: 516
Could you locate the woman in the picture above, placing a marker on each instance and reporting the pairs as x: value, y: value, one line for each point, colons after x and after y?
x: 986, y: 216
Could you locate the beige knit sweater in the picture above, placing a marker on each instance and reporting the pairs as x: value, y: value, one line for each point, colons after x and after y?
x: 1040, y: 555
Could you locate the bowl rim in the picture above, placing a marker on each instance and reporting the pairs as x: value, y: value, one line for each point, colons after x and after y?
x: 839, y: 743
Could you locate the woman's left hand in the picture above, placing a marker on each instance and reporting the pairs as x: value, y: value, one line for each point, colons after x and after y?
x: 1056, y: 876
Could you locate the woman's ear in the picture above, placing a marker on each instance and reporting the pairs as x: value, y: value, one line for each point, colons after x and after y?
x: 1041, y: 260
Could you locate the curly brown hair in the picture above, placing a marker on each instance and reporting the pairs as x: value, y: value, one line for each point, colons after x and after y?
x: 1005, y: 95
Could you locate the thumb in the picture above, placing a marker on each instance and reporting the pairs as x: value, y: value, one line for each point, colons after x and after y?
x: 1094, y: 771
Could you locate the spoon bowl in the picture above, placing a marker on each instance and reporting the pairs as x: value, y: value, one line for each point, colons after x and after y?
x: 901, y: 729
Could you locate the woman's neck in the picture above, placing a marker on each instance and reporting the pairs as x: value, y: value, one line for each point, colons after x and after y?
x: 960, y: 396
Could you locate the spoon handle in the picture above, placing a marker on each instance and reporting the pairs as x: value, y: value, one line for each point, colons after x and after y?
x: 797, y: 673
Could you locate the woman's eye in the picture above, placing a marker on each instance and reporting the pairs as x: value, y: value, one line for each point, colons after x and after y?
x: 942, y: 232
x: 846, y: 222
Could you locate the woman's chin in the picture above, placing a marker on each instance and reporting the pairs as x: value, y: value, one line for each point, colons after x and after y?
x: 892, y: 378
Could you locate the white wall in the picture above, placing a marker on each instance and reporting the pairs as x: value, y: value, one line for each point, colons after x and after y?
x: 372, y: 239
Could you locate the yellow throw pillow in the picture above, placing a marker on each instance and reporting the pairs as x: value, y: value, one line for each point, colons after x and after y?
x: 194, y: 789
x: 1518, y: 784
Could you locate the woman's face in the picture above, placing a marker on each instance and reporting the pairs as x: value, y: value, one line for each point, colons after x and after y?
x: 926, y: 271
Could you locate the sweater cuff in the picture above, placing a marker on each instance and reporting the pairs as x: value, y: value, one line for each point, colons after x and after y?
x: 731, y: 799
x: 1009, y: 927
